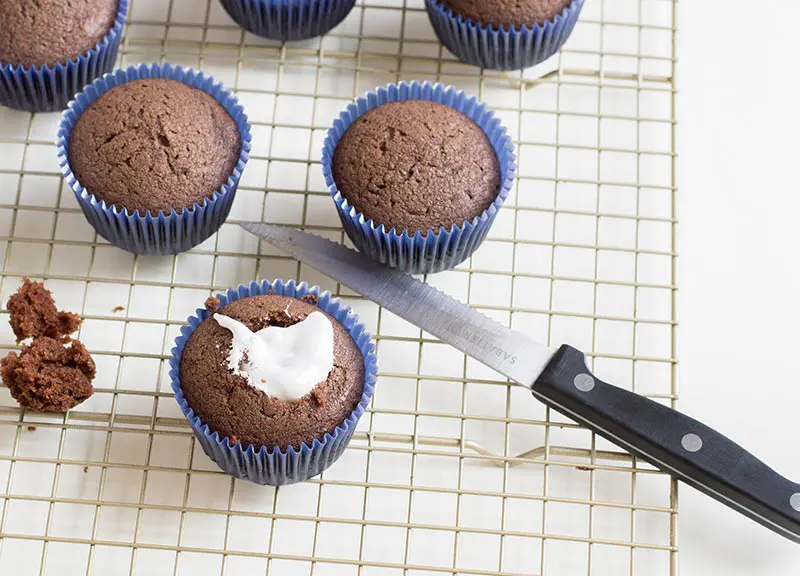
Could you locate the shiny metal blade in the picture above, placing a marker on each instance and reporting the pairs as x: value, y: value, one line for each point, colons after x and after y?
x: 510, y: 353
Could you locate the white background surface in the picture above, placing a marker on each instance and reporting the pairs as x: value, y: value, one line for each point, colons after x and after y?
x: 739, y: 268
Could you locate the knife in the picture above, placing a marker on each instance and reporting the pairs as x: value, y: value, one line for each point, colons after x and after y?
x: 669, y: 440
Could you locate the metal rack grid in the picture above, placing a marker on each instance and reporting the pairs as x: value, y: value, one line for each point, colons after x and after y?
x: 452, y: 471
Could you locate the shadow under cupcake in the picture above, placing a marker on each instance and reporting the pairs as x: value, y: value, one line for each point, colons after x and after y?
x: 273, y: 379
x: 154, y: 155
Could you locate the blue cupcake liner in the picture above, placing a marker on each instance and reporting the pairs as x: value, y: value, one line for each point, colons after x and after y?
x: 162, y: 233
x: 272, y: 465
x: 432, y: 251
x: 502, y: 49
x: 288, y: 19
x: 48, y: 88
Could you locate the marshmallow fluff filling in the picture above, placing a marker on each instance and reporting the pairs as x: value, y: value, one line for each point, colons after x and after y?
x: 283, y: 362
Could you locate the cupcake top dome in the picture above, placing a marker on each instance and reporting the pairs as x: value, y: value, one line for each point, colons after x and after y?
x: 48, y: 31
x: 507, y: 13
x: 416, y: 165
x: 154, y: 145
x: 271, y: 371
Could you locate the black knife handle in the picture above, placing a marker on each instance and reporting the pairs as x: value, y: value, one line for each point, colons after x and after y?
x: 671, y: 441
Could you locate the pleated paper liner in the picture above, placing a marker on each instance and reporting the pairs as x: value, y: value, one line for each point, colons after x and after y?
x: 271, y: 465
x: 162, y: 233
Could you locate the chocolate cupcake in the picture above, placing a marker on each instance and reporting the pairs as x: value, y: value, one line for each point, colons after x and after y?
x: 154, y: 155
x: 154, y: 145
x: 273, y: 379
x: 418, y: 173
x: 503, y: 34
x: 416, y: 165
x: 293, y: 20
x: 50, y: 49
x: 276, y: 403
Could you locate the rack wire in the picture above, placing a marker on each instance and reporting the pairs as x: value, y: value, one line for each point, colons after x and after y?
x: 453, y: 470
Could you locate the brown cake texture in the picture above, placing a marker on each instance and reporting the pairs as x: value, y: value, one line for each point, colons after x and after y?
x: 508, y: 13
x: 34, y: 313
x: 235, y: 409
x: 48, y: 376
x: 212, y: 304
x: 153, y: 145
x: 416, y: 165
x: 39, y: 32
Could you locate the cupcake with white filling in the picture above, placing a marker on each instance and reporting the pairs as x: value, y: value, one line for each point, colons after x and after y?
x: 273, y: 377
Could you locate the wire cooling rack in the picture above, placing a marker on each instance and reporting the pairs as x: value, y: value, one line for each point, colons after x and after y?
x: 452, y: 471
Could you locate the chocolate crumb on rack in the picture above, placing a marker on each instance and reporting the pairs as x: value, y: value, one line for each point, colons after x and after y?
x: 48, y: 376
x: 34, y: 313
x: 212, y: 304
x: 54, y: 372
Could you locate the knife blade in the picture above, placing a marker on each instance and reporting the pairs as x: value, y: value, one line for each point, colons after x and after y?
x: 673, y: 442
x: 513, y: 355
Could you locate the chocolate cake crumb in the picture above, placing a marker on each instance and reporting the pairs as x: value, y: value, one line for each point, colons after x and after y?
x: 319, y: 397
x: 34, y: 313
x: 118, y: 309
x: 212, y: 304
x: 310, y: 298
x: 31, y: 428
x: 85, y: 469
x: 49, y: 377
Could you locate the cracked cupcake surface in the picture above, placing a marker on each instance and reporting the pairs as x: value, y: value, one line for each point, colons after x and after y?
x: 233, y: 408
x: 35, y: 33
x: 49, y: 376
x: 154, y: 145
x: 416, y: 165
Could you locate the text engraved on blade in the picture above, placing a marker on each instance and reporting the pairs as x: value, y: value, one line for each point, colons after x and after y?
x: 480, y: 342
